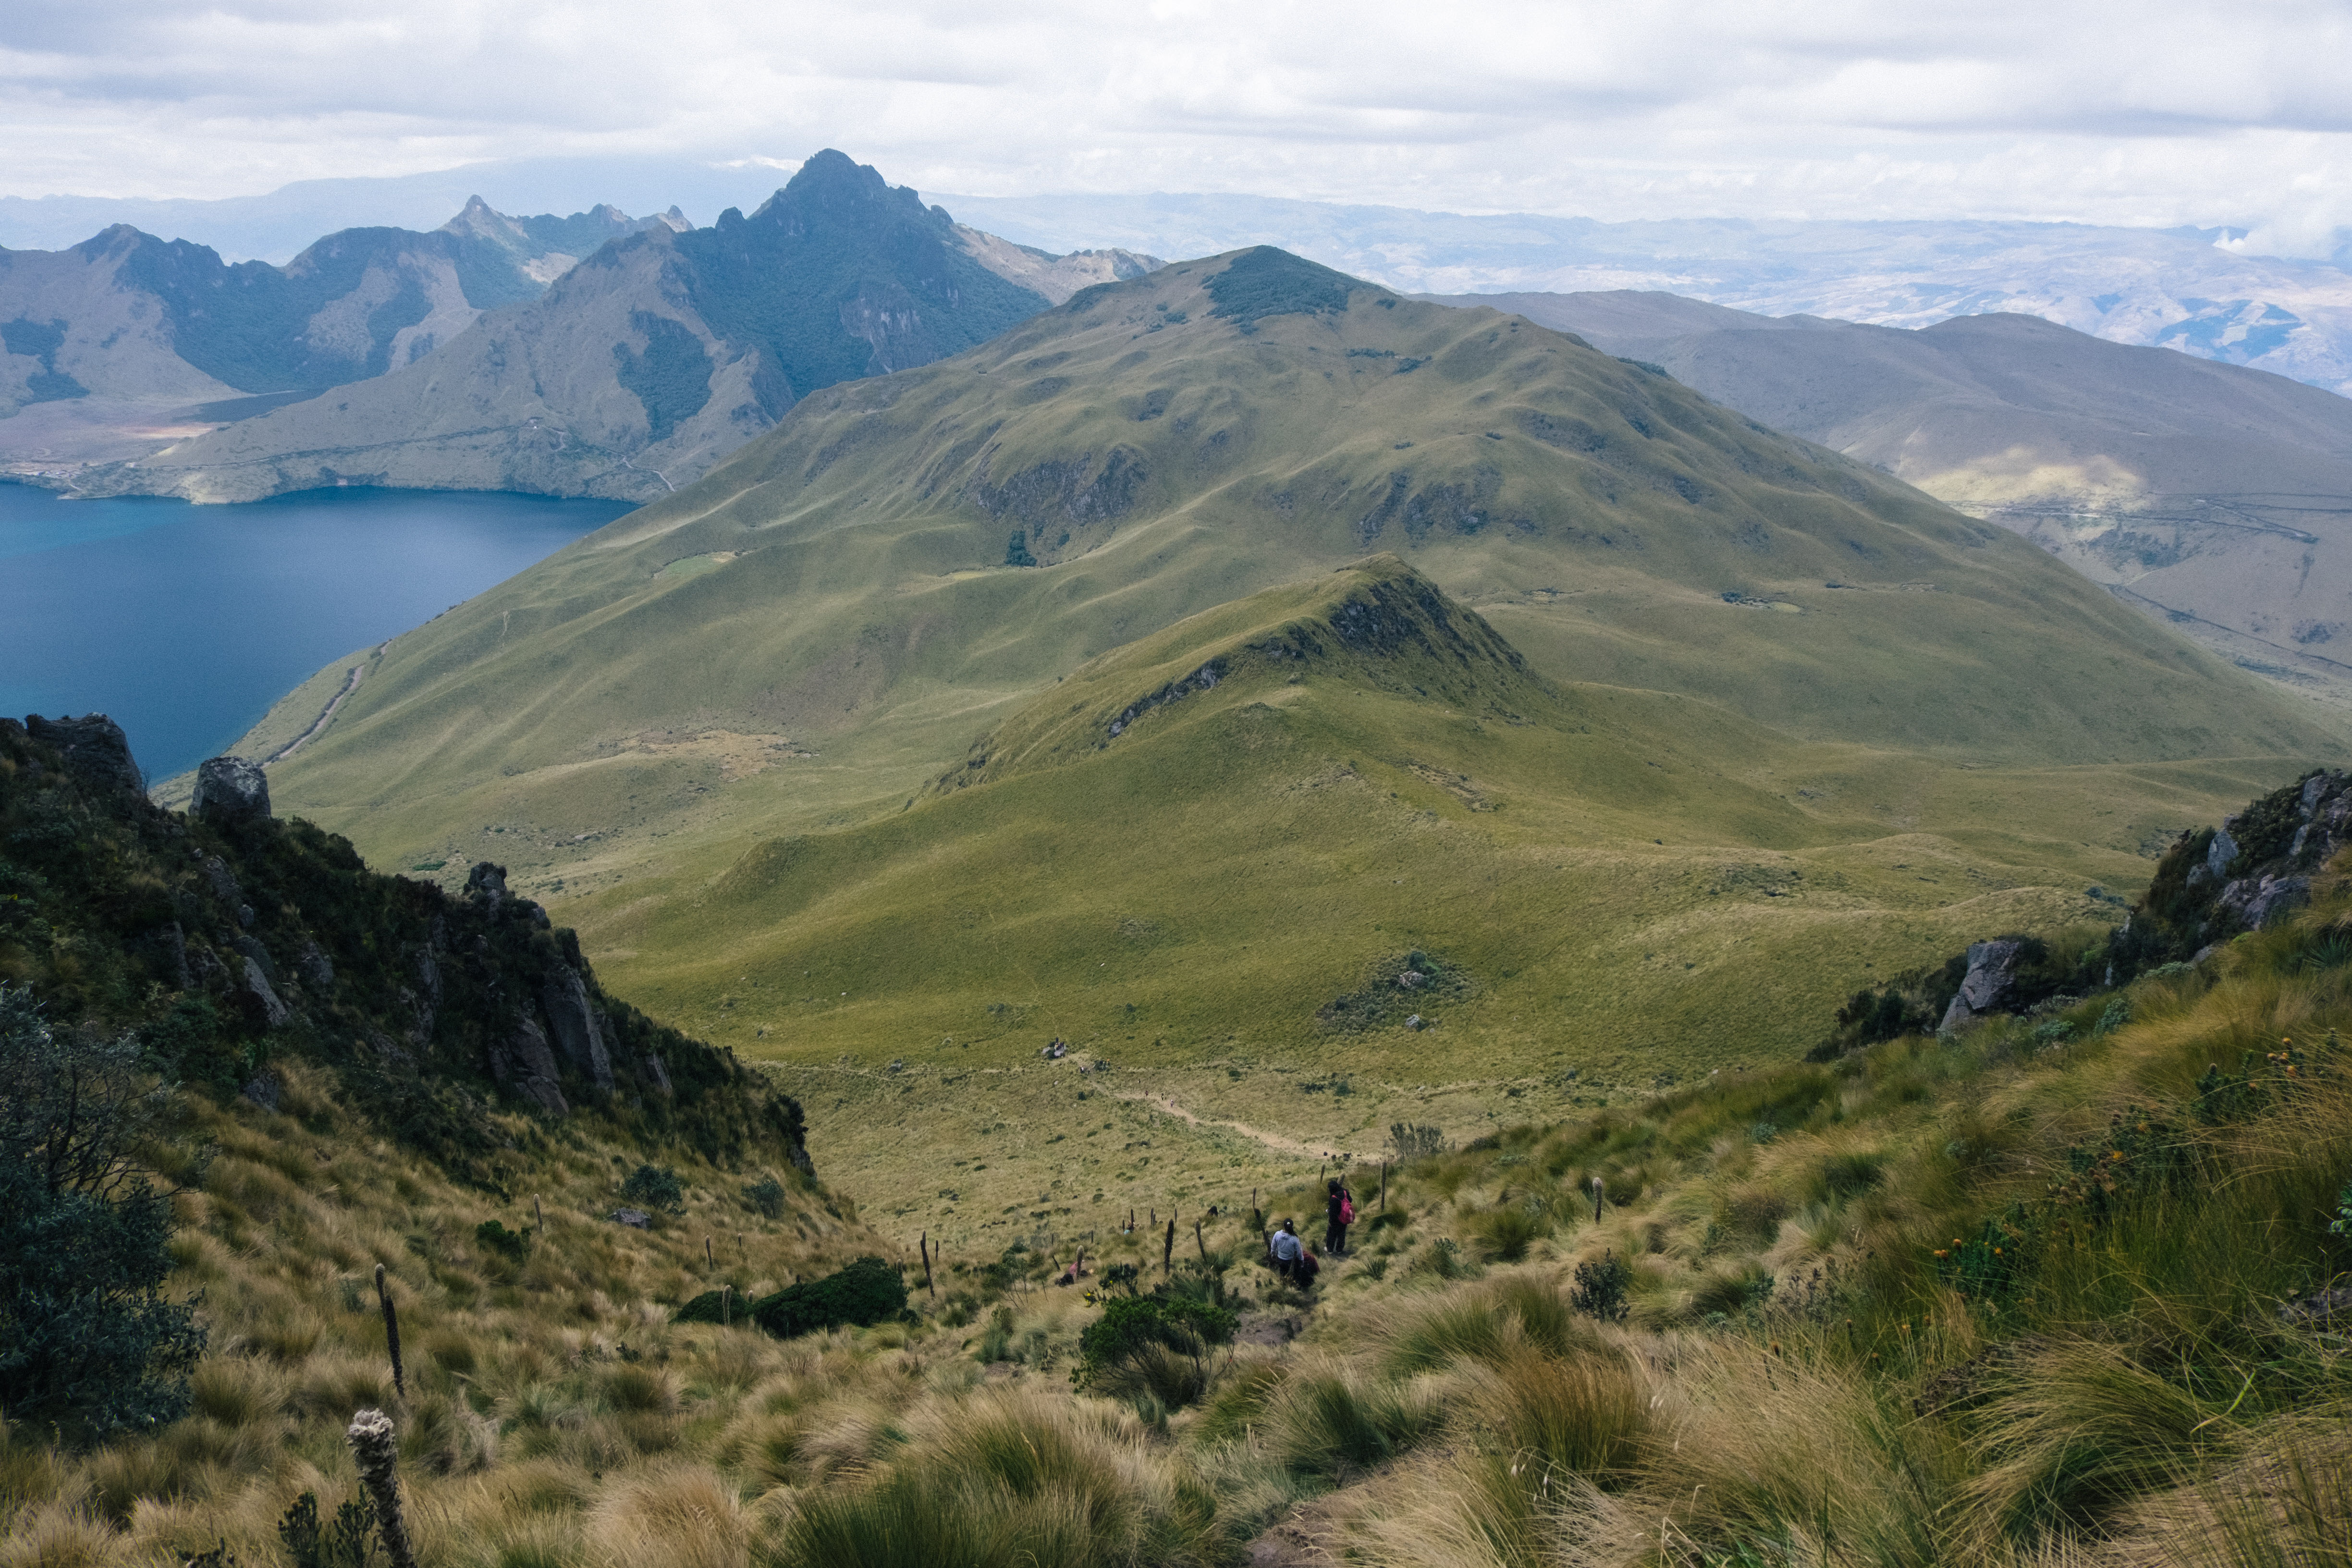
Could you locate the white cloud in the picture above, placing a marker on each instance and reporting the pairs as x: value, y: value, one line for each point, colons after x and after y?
x: 2166, y: 112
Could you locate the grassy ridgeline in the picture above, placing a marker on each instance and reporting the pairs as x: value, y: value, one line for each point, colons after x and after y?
x: 1800, y: 1363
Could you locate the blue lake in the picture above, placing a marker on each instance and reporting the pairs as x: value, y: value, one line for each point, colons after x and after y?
x: 185, y: 623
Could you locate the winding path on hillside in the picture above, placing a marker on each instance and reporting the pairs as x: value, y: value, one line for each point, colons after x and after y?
x: 1274, y: 1140
x: 350, y: 684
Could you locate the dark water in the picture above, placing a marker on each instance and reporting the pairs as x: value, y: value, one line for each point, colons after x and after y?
x: 185, y: 623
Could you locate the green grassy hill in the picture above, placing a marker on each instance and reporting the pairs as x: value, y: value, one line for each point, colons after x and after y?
x: 1780, y: 720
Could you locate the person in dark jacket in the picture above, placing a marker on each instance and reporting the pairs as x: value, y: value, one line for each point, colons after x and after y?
x: 1339, y: 1214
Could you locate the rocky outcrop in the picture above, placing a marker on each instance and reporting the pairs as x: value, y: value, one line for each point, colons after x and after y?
x: 230, y: 939
x: 95, y: 748
x: 231, y: 790
x: 2258, y: 864
x: 1992, y: 969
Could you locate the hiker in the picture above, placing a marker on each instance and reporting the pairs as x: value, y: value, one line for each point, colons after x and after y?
x: 1339, y: 1214
x: 1287, y: 1250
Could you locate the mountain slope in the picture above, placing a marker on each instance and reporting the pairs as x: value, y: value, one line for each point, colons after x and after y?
x: 2209, y: 494
x: 660, y: 355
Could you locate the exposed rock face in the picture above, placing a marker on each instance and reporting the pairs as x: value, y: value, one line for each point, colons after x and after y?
x: 230, y: 791
x: 1992, y: 966
x: 577, y: 1027
x: 95, y: 748
x: 430, y: 1008
x: 525, y: 1063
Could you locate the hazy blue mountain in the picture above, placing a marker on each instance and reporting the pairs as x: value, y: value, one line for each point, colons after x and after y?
x: 2214, y: 496
x: 112, y: 347
x: 660, y: 353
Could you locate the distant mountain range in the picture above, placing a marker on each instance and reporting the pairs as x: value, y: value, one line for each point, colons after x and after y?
x: 2182, y: 289
x: 2216, y: 496
x: 2190, y: 288
x: 631, y: 375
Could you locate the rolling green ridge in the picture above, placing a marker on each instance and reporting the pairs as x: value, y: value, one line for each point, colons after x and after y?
x: 1706, y: 723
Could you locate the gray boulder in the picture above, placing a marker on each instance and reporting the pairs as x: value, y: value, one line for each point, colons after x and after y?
x: 95, y: 748
x: 1992, y: 969
x: 2224, y: 850
x: 231, y: 790
x: 256, y: 985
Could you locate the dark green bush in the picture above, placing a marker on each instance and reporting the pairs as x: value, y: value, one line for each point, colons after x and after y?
x: 511, y: 1245
x: 347, y: 1542
x: 865, y: 1293
x: 656, y: 1187
x: 1600, y: 1287
x: 721, y: 1306
x: 1132, y: 1325
x: 766, y: 1196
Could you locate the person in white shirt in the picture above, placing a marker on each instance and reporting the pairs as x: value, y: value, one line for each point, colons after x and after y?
x: 1287, y: 1250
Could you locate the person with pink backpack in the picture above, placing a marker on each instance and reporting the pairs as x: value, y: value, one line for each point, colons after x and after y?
x: 1339, y: 1214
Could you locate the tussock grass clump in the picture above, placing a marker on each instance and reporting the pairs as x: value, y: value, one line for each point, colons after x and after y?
x: 1011, y: 1479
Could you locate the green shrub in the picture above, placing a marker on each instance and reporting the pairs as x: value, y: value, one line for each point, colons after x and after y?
x: 721, y: 1306
x: 766, y: 1196
x: 1131, y: 1326
x: 87, y: 1341
x: 1601, y: 1288
x: 511, y: 1245
x: 656, y: 1187
x: 865, y: 1293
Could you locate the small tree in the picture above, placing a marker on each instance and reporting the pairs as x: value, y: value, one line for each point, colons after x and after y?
x: 85, y: 1339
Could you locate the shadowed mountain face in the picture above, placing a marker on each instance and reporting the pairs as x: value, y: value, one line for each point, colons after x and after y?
x: 652, y: 359
x: 2217, y: 497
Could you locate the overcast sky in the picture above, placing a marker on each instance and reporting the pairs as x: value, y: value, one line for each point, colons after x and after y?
x: 2157, y: 111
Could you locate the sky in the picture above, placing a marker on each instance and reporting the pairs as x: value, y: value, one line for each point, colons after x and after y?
x: 2158, y: 112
